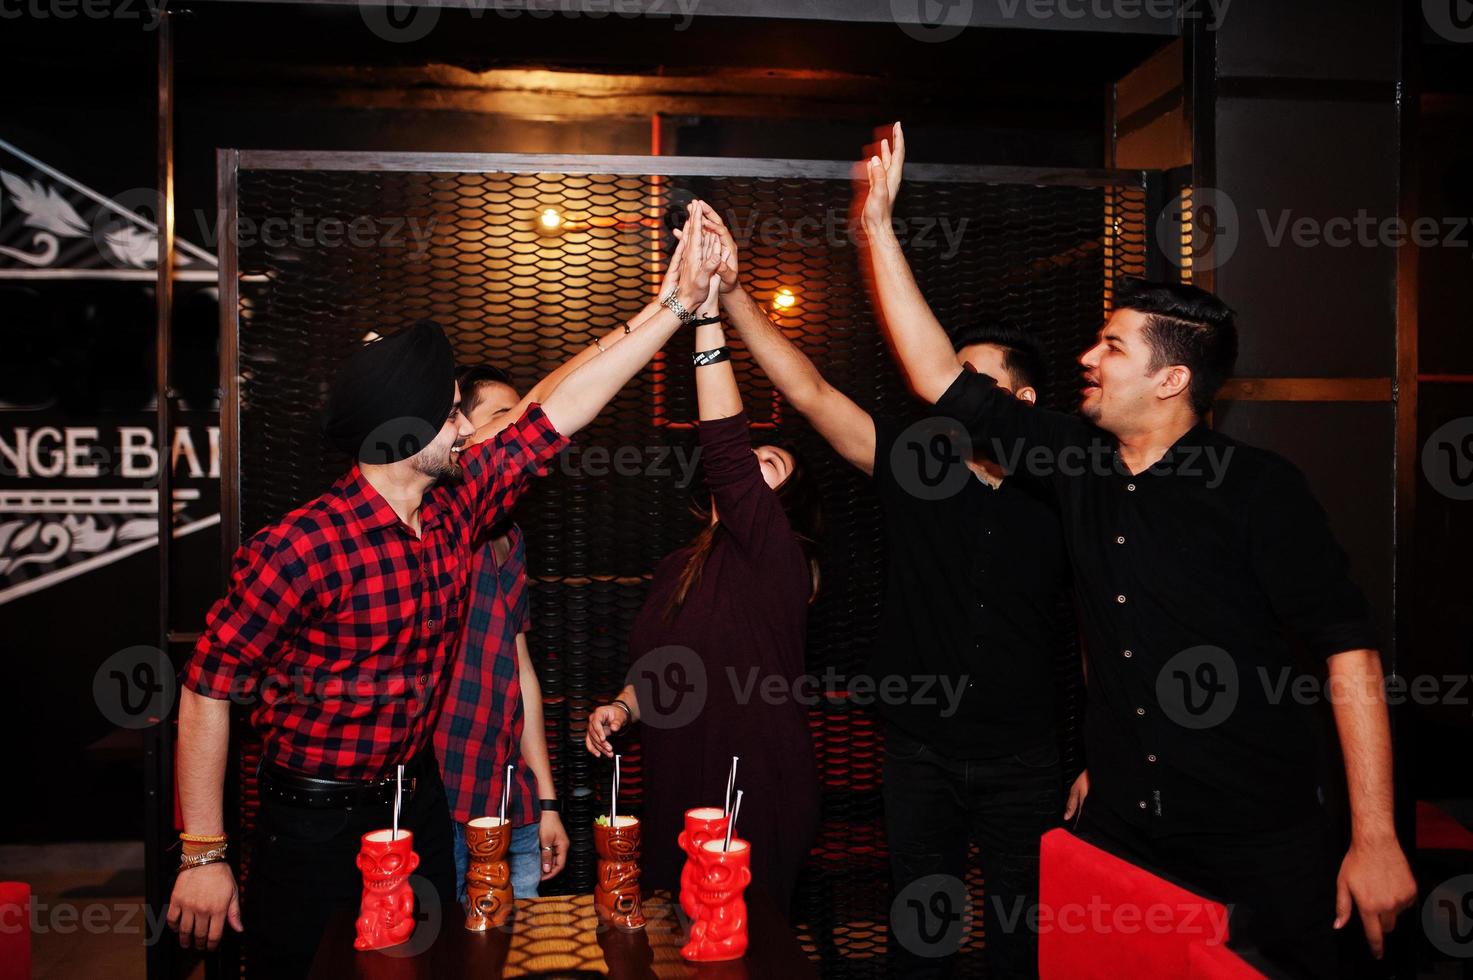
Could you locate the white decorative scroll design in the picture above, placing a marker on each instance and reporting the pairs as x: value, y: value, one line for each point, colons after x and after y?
x: 48, y: 536
x: 48, y: 201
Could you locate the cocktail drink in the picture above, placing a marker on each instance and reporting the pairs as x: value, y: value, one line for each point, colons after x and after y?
x: 701, y: 824
x: 386, y: 911
x: 616, y: 893
x: 720, y: 933
x: 489, y: 898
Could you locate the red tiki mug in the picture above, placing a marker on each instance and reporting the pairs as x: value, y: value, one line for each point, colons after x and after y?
x: 386, y: 914
x: 489, y: 899
x: 701, y: 824
x: 721, y: 931
x: 616, y: 894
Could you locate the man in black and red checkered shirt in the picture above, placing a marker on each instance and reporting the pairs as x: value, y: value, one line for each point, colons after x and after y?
x: 492, y: 715
x: 340, y: 621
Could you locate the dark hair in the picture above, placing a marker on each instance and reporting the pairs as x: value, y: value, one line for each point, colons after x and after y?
x: 1188, y: 326
x: 799, y: 496
x: 1022, y: 354
x: 475, y: 377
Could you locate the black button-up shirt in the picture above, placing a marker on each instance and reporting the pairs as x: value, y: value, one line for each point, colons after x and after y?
x: 1188, y: 576
x: 974, y: 596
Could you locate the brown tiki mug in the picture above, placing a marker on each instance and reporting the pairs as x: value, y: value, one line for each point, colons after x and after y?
x: 616, y: 895
x: 489, y: 900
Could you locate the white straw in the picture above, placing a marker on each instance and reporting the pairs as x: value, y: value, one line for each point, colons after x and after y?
x: 614, y: 796
x: 730, y: 785
x: 398, y: 795
x: 505, y: 792
x: 731, y: 824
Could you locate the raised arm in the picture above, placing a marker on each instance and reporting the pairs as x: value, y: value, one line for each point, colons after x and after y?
x: 1000, y: 425
x: 846, y: 426
x: 588, y: 387
x: 717, y: 394
x: 919, y: 341
x: 540, y: 392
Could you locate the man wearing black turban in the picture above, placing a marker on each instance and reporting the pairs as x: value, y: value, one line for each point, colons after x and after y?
x: 391, y: 396
x: 340, y: 622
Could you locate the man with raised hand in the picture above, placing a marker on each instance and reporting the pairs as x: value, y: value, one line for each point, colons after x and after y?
x: 1196, y: 560
x: 338, y: 626
x: 974, y: 584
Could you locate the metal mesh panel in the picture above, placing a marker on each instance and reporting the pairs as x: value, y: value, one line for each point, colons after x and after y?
x: 468, y: 248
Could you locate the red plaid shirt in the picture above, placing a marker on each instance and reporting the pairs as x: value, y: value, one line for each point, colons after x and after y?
x: 339, y: 622
x: 479, y: 731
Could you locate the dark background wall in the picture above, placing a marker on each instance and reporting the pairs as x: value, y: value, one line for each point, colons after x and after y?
x: 1323, y: 111
x: 307, y: 77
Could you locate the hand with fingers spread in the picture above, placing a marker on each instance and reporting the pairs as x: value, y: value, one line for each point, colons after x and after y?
x: 884, y: 171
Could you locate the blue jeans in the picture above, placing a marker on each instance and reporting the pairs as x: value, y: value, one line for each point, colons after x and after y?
x: 524, y: 856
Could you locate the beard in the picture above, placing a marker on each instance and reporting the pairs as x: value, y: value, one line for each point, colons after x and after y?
x: 444, y: 470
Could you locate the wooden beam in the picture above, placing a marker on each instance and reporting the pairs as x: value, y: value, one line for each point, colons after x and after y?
x: 1307, y: 390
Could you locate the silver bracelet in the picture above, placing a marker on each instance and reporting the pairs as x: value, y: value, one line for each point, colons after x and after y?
x: 675, y: 306
x: 212, y: 856
x: 627, y: 710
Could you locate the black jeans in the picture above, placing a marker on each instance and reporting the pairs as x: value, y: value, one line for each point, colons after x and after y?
x: 303, y: 870
x: 934, y: 807
x: 1279, y: 885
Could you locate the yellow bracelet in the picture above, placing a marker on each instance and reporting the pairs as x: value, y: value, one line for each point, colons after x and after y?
x: 203, y: 838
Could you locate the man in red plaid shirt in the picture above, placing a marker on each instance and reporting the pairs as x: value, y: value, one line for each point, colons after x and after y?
x: 492, y: 716
x: 340, y: 621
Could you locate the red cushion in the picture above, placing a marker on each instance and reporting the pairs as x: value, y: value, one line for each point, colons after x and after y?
x: 1438, y: 831
x: 1101, y: 916
x: 15, y: 930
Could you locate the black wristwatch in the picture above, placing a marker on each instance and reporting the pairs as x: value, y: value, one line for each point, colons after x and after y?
x: 551, y: 806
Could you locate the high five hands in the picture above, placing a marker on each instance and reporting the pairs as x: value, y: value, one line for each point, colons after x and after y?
x: 705, y: 235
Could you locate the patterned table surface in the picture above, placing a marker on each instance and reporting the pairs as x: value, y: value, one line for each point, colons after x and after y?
x: 560, y: 936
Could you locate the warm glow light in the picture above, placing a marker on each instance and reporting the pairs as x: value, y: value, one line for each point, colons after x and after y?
x: 784, y: 299
x: 550, y: 220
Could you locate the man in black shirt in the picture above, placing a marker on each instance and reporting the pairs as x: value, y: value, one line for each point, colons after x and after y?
x: 963, y: 669
x: 1192, y: 555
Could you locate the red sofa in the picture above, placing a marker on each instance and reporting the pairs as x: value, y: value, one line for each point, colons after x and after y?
x: 15, y: 930
x: 1100, y: 916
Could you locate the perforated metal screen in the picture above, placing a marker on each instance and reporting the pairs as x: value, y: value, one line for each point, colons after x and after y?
x: 332, y: 246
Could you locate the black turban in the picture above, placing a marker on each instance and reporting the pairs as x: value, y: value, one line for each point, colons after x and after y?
x: 392, y: 396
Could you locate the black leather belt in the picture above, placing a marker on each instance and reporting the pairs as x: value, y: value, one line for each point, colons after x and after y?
x: 313, y: 793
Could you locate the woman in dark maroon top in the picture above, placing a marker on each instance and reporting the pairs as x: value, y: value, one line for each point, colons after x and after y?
x: 734, y: 606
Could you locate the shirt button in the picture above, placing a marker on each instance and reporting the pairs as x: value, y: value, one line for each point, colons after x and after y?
x: 1120, y: 539
x: 1142, y: 804
x: 1128, y: 654
x: 432, y: 624
x: 1140, y: 711
x: 1131, y: 487
x: 1150, y: 758
x: 1120, y: 598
